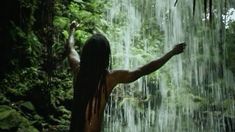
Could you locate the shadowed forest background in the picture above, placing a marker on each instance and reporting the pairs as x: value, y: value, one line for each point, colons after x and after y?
x: 35, y: 79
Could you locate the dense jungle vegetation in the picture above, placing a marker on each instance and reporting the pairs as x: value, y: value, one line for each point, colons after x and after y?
x: 36, y: 84
x: 35, y: 79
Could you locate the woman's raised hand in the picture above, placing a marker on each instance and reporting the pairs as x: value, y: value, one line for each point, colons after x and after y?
x: 179, y: 48
x: 74, y: 24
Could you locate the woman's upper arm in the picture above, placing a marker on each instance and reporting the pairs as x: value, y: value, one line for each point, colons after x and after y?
x: 74, y: 60
x: 122, y: 76
x: 125, y: 76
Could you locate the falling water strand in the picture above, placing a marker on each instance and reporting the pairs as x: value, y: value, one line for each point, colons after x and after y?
x: 189, y: 92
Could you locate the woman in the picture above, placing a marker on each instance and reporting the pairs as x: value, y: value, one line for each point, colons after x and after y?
x: 93, y: 82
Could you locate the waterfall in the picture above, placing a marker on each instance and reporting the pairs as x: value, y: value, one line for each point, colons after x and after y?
x: 193, y: 92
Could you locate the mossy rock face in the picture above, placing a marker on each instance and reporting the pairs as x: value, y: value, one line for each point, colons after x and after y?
x: 11, y: 120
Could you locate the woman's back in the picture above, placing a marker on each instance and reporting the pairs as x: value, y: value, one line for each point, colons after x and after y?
x: 94, y: 122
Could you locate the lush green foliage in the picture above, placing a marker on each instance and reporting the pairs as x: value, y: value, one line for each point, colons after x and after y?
x: 36, y: 94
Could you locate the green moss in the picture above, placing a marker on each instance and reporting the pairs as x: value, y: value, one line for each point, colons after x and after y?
x: 11, y: 119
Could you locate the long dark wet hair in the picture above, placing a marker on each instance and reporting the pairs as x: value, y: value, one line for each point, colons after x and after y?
x: 90, y: 79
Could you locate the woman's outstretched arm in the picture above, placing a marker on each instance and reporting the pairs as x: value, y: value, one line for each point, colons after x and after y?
x: 73, y: 57
x: 126, y: 76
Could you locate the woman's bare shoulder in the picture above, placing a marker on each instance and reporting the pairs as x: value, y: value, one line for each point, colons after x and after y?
x: 113, y: 78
